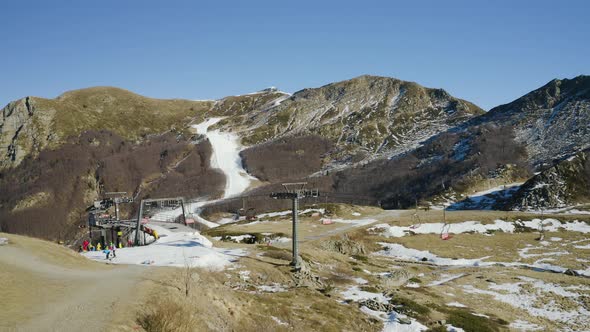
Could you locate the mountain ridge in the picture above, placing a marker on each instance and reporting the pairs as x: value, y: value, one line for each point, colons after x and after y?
x: 393, y: 141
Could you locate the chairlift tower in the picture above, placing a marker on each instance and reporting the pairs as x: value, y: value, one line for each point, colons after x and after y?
x: 295, y: 191
x: 118, y: 199
x: 168, y: 202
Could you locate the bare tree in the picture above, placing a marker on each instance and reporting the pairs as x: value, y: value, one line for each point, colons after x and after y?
x: 188, y: 274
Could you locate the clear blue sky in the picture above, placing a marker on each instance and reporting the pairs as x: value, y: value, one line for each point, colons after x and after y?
x: 488, y: 52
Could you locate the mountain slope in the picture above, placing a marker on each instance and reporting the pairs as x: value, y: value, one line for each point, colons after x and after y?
x: 31, y: 124
x: 380, y: 139
x: 553, y: 121
x: 367, y: 115
x: 501, y: 146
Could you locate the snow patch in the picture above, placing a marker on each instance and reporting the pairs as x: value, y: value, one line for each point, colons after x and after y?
x: 548, y: 225
x: 354, y: 293
x: 456, y: 305
x: 391, y: 321
x: 446, y: 278
x: 400, y: 252
x: 523, y: 325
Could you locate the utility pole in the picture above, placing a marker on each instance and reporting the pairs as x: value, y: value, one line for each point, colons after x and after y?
x: 294, y: 192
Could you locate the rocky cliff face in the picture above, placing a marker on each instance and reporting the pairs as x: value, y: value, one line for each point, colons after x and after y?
x: 24, y: 129
x: 564, y: 184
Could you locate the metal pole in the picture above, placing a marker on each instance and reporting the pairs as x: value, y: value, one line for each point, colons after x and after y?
x: 295, y: 262
x: 138, y: 222
x: 117, y: 209
x: 183, y: 212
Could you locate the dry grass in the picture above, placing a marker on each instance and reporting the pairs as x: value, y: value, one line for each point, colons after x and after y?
x: 117, y: 110
x: 169, y: 315
x: 53, y: 253
x: 219, y: 306
x: 407, y: 216
x: 23, y: 295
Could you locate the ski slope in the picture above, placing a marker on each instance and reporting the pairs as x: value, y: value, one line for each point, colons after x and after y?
x: 226, y: 157
x: 174, y: 249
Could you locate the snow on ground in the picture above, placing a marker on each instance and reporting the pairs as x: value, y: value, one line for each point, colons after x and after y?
x: 226, y: 156
x: 174, y: 249
x: 400, y: 252
x: 553, y: 225
x: 484, y: 200
x: 583, y: 247
x: 360, y: 281
x: 356, y: 222
x: 549, y: 225
x: 451, y: 328
x: 244, y: 275
x: 446, y: 278
x: 523, y: 325
x: 456, y: 305
x: 397, y: 251
x: 524, y: 252
x: 286, y: 213
x: 274, y: 288
x: 576, y: 211
x: 240, y: 238
x: 354, y: 293
x: 278, y: 321
x: 525, y: 295
x: 562, y: 210
x: 391, y: 321
x: 224, y: 221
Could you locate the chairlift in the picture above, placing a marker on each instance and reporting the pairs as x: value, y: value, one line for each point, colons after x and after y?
x: 444, y: 233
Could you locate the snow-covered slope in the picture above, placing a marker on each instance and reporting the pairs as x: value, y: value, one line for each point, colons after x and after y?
x: 174, y: 249
x: 226, y: 156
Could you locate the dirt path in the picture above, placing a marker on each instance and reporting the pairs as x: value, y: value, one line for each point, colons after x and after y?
x: 63, y: 298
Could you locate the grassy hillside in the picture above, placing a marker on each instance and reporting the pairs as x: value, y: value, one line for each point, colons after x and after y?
x: 129, y: 115
x: 32, y: 124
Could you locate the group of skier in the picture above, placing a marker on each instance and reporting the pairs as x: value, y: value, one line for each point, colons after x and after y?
x: 109, y: 250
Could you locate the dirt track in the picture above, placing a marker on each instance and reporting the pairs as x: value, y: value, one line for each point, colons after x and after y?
x: 49, y: 296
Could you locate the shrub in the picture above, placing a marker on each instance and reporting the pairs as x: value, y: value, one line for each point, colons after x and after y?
x: 167, y: 315
x: 470, y: 322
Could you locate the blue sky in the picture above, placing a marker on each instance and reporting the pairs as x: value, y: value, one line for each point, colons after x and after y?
x: 488, y: 52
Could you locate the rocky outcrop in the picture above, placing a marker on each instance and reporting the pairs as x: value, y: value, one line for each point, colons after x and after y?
x: 564, y: 184
x: 24, y: 130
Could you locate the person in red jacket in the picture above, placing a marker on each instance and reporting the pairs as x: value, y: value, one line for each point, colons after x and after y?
x: 85, y: 245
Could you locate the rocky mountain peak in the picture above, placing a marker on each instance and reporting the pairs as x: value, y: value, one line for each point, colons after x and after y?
x: 367, y: 115
x: 553, y: 120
